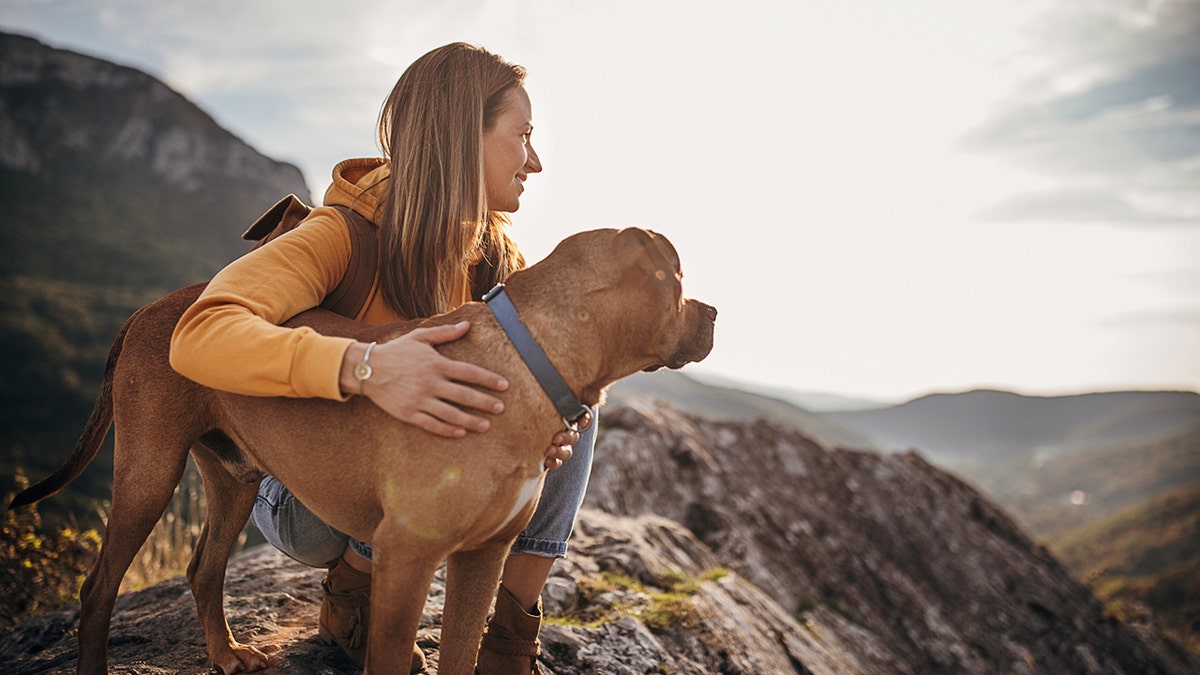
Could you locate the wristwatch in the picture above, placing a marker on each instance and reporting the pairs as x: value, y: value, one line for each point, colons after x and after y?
x: 362, y: 369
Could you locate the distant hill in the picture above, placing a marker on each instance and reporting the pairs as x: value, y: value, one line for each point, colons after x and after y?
x: 116, y: 190
x: 1032, y: 452
x: 737, y: 402
x: 996, y: 426
x: 1147, y: 554
x: 1061, y: 493
x: 817, y: 402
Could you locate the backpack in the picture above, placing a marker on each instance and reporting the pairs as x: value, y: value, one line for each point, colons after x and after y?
x: 349, y: 296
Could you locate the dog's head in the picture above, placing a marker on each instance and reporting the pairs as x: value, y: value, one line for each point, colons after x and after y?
x: 614, y: 299
x: 662, y: 325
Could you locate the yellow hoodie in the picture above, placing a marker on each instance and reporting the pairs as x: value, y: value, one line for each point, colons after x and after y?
x: 230, y: 339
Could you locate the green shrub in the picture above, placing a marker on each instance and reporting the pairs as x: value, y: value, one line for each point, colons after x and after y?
x: 41, y: 568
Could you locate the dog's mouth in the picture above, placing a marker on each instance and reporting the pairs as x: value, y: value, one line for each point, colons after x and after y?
x: 699, y: 342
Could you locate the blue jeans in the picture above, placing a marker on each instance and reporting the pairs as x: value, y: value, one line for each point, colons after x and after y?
x: 293, y: 529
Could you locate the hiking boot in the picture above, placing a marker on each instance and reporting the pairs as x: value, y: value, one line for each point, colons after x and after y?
x: 510, y: 645
x: 346, y: 614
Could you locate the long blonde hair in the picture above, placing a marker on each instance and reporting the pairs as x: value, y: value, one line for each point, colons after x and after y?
x: 434, y: 220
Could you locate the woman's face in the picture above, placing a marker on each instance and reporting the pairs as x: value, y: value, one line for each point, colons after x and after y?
x: 508, y: 155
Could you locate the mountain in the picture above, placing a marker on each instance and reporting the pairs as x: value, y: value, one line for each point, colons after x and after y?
x: 1056, y: 462
x: 817, y: 402
x: 116, y: 190
x: 1144, y: 555
x: 733, y: 401
x: 997, y: 426
x: 710, y: 546
x: 1066, y: 492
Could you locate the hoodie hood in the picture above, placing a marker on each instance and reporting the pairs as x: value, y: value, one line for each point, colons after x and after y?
x: 359, y: 184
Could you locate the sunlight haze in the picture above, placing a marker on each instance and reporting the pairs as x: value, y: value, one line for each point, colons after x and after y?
x: 882, y: 199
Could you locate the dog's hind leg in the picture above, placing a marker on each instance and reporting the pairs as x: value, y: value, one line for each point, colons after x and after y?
x: 229, y: 504
x: 145, y: 474
x: 472, y: 578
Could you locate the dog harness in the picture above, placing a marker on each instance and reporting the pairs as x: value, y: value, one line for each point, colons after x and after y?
x: 535, y: 358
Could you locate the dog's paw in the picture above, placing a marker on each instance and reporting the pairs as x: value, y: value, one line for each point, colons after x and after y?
x: 241, y: 659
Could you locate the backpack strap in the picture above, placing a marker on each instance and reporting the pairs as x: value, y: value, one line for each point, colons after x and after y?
x: 350, y: 295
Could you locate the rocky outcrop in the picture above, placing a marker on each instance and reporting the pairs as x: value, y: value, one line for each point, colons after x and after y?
x: 714, y: 547
x: 898, y: 549
x: 58, y: 106
x: 720, y: 624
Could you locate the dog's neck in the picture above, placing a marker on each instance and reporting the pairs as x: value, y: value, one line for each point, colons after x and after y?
x: 565, y: 331
x: 535, y: 358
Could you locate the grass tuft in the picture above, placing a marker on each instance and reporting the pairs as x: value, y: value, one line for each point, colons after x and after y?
x: 661, y: 606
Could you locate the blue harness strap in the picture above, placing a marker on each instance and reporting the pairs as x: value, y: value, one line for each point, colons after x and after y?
x: 535, y: 358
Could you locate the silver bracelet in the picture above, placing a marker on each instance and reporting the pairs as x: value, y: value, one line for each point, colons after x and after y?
x: 362, y: 369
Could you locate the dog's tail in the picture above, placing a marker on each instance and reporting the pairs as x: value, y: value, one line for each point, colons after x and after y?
x: 93, y: 434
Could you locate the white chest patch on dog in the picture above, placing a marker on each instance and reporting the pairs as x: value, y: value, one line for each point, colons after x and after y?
x: 530, y: 490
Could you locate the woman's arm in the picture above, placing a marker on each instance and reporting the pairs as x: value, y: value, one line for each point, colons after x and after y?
x: 230, y: 338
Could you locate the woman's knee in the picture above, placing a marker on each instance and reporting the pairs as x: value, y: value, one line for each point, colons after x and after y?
x: 290, y: 527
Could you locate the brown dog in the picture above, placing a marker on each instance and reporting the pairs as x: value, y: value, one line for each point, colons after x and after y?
x: 605, y: 304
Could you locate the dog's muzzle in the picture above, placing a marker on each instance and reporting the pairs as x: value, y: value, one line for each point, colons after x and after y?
x: 697, y: 340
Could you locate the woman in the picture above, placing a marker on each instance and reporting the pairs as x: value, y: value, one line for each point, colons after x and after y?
x: 455, y: 133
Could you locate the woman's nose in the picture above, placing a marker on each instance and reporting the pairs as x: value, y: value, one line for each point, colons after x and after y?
x: 533, y: 164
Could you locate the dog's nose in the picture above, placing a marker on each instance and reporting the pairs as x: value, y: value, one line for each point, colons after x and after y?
x: 710, y: 311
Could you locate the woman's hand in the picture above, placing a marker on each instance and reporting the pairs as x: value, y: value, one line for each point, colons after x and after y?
x: 560, y: 446
x: 412, y: 382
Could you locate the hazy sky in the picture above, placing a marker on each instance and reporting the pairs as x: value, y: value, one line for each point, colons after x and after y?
x: 882, y: 199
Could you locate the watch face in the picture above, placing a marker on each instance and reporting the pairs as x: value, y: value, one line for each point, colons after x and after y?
x: 362, y: 371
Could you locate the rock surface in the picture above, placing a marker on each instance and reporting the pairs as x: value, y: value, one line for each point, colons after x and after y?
x: 940, y: 577
x: 713, y: 547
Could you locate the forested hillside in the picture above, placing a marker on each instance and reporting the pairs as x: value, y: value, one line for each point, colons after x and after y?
x: 116, y: 190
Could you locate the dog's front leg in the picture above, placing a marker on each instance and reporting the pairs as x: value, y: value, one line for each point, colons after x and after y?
x: 402, y: 568
x: 472, y: 578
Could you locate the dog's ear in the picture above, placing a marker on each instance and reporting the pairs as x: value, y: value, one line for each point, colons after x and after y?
x: 664, y: 248
x: 632, y: 239
x: 659, y: 254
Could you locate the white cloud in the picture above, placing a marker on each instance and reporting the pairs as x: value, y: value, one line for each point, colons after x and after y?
x: 1113, y: 113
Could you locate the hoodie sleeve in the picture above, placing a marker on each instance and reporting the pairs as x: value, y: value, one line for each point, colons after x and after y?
x: 231, y: 340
